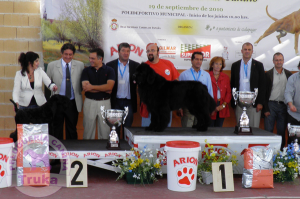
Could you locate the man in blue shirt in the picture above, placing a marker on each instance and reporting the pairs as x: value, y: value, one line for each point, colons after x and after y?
x: 97, y: 81
x: 195, y: 73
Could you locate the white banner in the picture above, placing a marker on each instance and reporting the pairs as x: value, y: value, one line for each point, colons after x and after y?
x: 218, y: 28
x: 215, y: 27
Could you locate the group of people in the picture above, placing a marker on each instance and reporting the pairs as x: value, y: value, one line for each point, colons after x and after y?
x: 112, y: 85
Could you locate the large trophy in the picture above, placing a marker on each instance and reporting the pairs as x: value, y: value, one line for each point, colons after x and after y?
x: 114, y: 118
x: 245, y: 99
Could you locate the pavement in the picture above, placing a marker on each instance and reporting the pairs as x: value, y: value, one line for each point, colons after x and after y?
x: 102, y: 184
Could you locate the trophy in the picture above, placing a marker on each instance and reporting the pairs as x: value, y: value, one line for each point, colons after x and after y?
x: 294, y: 130
x: 245, y: 99
x: 114, y: 118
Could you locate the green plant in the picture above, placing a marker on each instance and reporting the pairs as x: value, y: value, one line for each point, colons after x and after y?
x: 143, y: 163
x: 210, y: 156
x: 285, y: 164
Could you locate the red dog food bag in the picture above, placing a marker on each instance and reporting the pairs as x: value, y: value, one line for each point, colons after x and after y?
x: 258, y: 167
x: 33, y: 168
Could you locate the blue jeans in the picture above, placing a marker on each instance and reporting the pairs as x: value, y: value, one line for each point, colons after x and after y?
x: 146, y: 121
x: 27, y: 107
x: 278, y: 113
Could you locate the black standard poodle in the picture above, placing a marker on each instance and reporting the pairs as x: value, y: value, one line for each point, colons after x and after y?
x: 40, y: 115
x: 162, y: 96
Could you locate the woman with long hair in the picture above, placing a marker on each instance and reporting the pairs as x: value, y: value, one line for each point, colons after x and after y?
x: 27, y: 91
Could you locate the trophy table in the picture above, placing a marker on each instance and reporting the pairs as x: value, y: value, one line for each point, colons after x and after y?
x: 114, y: 118
x: 245, y: 100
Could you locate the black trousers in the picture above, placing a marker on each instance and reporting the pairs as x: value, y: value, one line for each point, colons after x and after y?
x: 70, y: 117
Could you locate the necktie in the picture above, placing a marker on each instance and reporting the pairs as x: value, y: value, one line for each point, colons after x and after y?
x: 68, y: 82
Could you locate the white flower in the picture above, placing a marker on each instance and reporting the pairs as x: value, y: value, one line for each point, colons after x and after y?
x: 134, y: 176
x: 125, y: 163
x: 151, y: 156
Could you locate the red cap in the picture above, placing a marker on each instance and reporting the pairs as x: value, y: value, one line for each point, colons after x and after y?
x: 183, y: 144
x: 6, y: 140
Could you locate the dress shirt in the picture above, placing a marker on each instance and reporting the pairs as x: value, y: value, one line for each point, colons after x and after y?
x: 245, y: 80
x: 278, y: 88
x: 187, y: 75
x: 123, y: 82
x: 292, y: 94
x: 63, y: 83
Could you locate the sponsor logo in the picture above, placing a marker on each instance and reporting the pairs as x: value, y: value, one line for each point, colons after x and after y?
x: 167, y: 72
x: 3, y: 157
x: 217, y: 148
x: 92, y: 154
x: 167, y: 50
x: 112, y: 155
x: 167, y: 57
x: 133, y: 48
x: 187, y: 50
x: 185, y: 160
x: 114, y: 25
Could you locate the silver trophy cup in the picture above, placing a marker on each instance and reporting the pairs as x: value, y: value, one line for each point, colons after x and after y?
x: 114, y: 118
x: 294, y: 130
x: 245, y: 99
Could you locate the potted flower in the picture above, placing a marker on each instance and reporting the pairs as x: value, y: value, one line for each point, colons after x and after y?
x: 285, y: 164
x: 141, y: 166
x: 205, y: 165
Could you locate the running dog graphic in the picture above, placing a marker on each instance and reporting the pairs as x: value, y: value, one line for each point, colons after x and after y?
x: 36, y: 158
x: 288, y: 24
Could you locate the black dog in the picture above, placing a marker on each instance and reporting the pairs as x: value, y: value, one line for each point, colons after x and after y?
x: 162, y: 96
x: 40, y: 115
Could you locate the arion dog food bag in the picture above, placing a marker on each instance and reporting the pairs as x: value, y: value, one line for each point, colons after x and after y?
x: 258, y: 167
x: 33, y: 168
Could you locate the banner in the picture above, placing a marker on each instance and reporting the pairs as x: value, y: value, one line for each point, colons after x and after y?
x: 215, y: 27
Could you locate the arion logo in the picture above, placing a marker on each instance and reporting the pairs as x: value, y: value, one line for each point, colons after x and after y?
x: 187, y: 50
x: 133, y: 49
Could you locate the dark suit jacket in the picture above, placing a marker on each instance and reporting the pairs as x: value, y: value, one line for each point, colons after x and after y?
x: 257, y: 80
x: 269, y: 84
x: 132, y: 67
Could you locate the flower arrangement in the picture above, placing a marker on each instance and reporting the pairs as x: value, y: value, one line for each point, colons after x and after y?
x: 285, y: 164
x: 144, y: 164
x: 210, y: 156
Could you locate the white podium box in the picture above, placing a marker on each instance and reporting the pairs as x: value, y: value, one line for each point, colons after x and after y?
x: 218, y: 136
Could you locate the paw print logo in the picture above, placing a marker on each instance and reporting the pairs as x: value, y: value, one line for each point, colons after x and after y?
x: 2, y: 173
x: 185, y: 176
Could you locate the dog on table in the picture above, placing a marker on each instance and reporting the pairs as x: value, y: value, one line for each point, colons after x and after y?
x: 162, y: 96
x: 40, y: 115
x: 288, y: 24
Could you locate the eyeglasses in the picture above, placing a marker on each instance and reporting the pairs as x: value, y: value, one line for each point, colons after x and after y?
x: 152, y: 51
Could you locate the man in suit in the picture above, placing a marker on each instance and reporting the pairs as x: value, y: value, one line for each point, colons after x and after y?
x: 246, y: 75
x: 124, y: 91
x: 274, y: 108
x: 66, y: 74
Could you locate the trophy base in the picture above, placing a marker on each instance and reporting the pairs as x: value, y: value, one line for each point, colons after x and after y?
x: 113, y: 146
x: 243, y: 130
